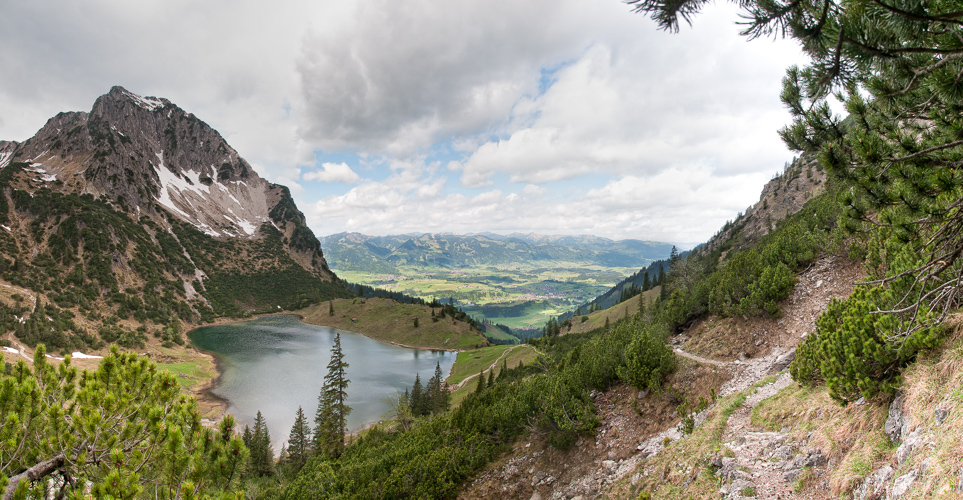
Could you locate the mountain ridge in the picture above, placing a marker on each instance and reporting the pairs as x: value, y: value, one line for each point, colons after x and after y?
x: 357, y: 251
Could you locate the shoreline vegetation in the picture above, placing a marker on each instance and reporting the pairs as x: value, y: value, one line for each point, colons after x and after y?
x: 383, y: 320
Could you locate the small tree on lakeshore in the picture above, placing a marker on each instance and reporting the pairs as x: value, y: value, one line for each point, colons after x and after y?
x: 331, y: 417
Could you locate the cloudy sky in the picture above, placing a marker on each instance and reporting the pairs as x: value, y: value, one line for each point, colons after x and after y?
x: 386, y: 116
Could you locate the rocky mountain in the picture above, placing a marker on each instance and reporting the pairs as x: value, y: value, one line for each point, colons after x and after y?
x: 784, y: 195
x: 138, y: 211
x: 354, y: 251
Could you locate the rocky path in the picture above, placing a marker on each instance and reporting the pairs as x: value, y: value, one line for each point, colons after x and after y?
x: 699, y: 359
x: 760, y: 457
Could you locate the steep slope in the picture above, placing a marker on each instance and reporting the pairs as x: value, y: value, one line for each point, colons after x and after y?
x: 784, y: 195
x: 137, y: 215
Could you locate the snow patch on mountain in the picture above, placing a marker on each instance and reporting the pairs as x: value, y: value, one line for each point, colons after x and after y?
x: 148, y: 103
x: 44, y: 175
x: 215, y: 209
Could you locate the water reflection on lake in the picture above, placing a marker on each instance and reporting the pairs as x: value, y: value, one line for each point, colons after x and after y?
x: 277, y: 363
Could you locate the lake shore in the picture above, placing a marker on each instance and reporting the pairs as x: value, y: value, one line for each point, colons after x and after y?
x: 248, y: 372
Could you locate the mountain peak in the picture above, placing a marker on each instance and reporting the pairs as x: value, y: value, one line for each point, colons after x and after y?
x: 147, y: 156
x: 118, y: 93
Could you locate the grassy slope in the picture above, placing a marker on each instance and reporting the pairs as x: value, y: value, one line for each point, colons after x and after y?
x: 614, y: 313
x: 393, y: 322
x: 472, y: 362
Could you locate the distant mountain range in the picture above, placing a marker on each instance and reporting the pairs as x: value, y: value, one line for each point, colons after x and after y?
x: 385, y: 254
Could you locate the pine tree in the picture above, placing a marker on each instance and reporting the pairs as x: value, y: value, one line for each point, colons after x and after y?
x: 59, y: 418
x: 418, y: 397
x: 331, y: 417
x: 330, y: 308
x: 438, y: 392
x: 491, y: 377
x: 261, y: 461
x: 299, y: 442
x: 481, y: 383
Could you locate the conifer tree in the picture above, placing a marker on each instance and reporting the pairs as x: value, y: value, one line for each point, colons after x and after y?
x: 299, y: 441
x: 438, y: 392
x: 491, y: 377
x: 418, y: 397
x: 481, y: 383
x: 331, y: 417
x: 261, y: 460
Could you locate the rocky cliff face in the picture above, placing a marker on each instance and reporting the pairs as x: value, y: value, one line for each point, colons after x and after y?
x: 781, y: 197
x: 138, y: 211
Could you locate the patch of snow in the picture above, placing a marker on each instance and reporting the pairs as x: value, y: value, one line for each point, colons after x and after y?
x: 247, y: 226
x: 5, y: 159
x: 167, y: 181
x: 37, y: 168
x: 148, y: 103
x: 5, y: 227
x: 10, y: 350
x: 80, y: 355
x: 55, y: 357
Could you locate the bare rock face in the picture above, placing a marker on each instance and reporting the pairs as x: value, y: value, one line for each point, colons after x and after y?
x: 781, y: 197
x: 6, y: 151
x: 150, y: 157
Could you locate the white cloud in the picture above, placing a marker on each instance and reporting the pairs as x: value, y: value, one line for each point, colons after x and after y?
x: 696, y: 99
x: 333, y: 172
x: 673, y: 205
x: 400, y: 76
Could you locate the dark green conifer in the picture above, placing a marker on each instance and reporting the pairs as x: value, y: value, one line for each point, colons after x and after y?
x: 299, y: 442
x: 331, y: 417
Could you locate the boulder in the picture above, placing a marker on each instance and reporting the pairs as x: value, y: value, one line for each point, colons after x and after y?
x: 903, y: 484
x: 910, y: 443
x: 783, y: 361
x: 940, y: 415
x: 897, y: 423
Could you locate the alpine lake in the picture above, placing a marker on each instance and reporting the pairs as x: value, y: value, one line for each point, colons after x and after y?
x: 275, y: 364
